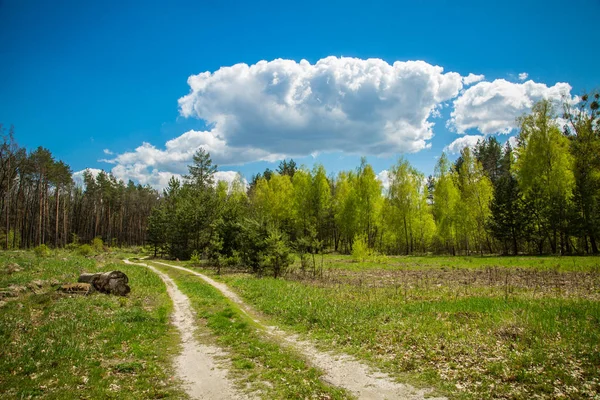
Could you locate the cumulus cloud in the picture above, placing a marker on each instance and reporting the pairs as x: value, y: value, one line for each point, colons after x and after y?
x: 107, y: 151
x: 472, y: 78
x: 178, y: 152
x: 492, y: 107
x: 462, y: 142
x: 78, y: 176
x: 523, y: 76
x: 283, y: 107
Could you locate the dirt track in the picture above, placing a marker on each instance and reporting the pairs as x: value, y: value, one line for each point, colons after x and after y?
x: 197, y: 365
x: 339, y: 370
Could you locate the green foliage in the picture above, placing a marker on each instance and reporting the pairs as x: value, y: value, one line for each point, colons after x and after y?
x: 544, y: 170
x: 539, y: 197
x: 85, y: 250
x: 360, y: 249
x: 406, y: 216
x: 11, y: 241
x: 510, y: 221
x: 445, y: 205
x: 277, y: 255
x: 41, y: 251
x: 195, y: 259
x: 98, y: 244
x: 201, y: 172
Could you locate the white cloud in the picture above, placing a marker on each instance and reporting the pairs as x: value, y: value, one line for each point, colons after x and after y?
x: 143, y: 175
x: 472, y: 78
x: 229, y: 177
x: 78, y: 176
x: 384, y: 178
x: 462, y: 142
x: 492, y: 107
x: 283, y: 107
x: 107, y: 151
x: 523, y: 76
x: 513, y: 141
x: 148, y: 164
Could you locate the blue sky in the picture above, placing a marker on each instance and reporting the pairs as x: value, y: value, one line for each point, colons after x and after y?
x: 81, y: 77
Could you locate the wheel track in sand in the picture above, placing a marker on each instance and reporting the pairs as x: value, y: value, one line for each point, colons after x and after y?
x: 197, y: 365
x: 343, y: 371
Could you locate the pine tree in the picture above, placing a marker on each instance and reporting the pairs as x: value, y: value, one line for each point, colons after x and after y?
x: 201, y: 172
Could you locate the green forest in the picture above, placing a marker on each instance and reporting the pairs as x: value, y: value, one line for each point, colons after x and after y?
x: 540, y: 196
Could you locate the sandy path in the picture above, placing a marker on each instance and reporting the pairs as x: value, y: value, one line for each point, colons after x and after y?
x: 197, y: 364
x: 340, y: 370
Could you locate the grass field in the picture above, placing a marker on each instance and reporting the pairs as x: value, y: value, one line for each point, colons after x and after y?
x: 478, y: 327
x: 66, y: 346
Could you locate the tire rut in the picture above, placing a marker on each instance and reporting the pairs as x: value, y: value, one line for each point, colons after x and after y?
x: 198, y: 364
x: 343, y: 370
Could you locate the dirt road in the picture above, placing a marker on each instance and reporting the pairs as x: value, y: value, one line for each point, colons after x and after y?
x: 197, y: 365
x: 339, y: 370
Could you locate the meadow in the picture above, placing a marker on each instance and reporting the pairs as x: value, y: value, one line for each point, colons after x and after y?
x: 472, y: 327
x: 469, y: 327
x: 56, y: 345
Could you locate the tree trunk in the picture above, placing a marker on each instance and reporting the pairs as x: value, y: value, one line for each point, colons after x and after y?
x: 56, y: 221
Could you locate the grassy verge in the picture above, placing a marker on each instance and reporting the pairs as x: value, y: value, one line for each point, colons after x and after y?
x: 487, y: 339
x: 259, y: 364
x: 61, y: 346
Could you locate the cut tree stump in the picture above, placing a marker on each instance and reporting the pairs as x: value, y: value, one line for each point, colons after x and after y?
x: 113, y: 282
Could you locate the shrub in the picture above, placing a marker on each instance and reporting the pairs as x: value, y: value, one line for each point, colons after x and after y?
x: 85, y: 250
x: 277, y: 256
x: 195, y: 259
x: 98, y: 244
x: 360, y: 249
x: 42, y: 251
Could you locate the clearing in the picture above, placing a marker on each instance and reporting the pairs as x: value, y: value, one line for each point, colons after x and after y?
x: 340, y: 370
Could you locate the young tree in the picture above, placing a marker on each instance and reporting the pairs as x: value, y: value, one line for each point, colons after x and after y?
x: 476, y: 193
x: 403, y: 195
x: 488, y: 153
x: 445, y: 200
x: 510, y: 219
x: 201, y: 172
x: 583, y: 129
x: 544, y: 170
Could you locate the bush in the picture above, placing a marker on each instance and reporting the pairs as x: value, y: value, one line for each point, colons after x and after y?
x: 85, y: 250
x: 42, y: 251
x: 277, y: 256
x: 195, y: 259
x: 98, y: 244
x: 360, y: 248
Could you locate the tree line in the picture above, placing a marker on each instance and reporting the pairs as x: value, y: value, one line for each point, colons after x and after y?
x: 41, y: 204
x: 540, y: 196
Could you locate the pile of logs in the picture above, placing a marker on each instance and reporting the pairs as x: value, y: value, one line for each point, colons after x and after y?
x: 113, y: 282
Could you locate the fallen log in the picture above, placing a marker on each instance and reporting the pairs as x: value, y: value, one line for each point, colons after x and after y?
x: 113, y: 282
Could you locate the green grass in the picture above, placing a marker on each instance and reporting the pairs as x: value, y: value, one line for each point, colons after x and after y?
x: 261, y: 364
x: 516, y: 330
x: 554, y: 263
x: 66, y: 346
